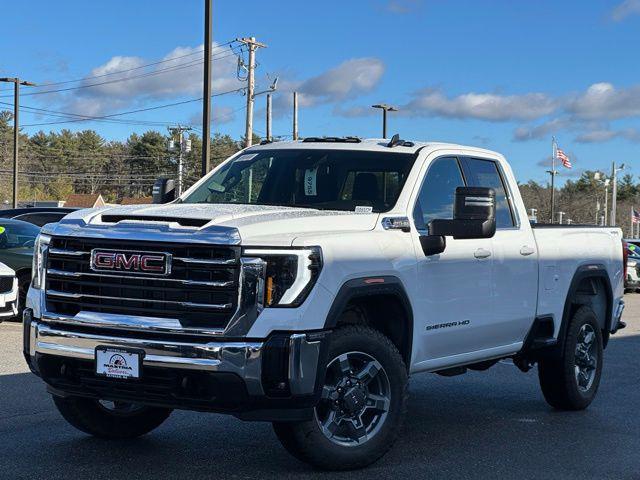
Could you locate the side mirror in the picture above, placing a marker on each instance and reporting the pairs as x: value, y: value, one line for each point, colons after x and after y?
x: 433, y: 244
x: 164, y: 190
x: 474, y: 215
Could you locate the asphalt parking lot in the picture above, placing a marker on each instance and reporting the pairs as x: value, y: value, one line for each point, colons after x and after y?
x: 492, y: 425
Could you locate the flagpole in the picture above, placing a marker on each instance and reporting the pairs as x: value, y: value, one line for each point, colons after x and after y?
x: 632, y: 229
x: 554, y: 149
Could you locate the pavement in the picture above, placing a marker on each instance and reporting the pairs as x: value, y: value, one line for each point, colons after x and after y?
x: 493, y: 425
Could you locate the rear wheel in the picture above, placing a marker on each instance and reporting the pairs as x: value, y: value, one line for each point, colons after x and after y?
x: 108, y: 419
x: 570, y: 381
x: 362, y: 404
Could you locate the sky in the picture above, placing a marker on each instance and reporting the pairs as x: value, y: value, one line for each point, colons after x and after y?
x: 503, y: 75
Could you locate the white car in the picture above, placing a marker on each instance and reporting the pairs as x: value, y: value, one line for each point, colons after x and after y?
x: 302, y: 283
x: 8, y: 293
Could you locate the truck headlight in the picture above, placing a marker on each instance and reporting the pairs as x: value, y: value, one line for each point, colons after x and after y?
x: 39, y: 260
x: 290, y: 273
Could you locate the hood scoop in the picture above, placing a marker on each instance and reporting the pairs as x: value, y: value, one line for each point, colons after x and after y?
x: 184, y: 222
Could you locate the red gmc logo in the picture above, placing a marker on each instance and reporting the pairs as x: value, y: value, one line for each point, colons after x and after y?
x: 134, y: 262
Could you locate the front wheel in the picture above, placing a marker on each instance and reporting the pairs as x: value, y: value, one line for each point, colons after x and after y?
x: 110, y: 420
x: 362, y: 404
x: 570, y: 381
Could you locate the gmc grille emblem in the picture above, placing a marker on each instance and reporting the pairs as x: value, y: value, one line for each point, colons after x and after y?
x: 147, y: 263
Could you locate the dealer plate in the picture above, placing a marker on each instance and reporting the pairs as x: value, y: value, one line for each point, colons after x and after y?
x: 118, y: 363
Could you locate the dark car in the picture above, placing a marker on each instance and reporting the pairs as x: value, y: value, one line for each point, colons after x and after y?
x: 39, y: 216
x: 17, y: 239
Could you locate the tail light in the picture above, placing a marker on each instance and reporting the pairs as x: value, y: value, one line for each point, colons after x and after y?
x: 625, y: 257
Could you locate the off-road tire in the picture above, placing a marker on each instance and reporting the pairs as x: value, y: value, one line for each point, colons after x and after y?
x: 305, y: 440
x: 557, y: 374
x: 89, y: 416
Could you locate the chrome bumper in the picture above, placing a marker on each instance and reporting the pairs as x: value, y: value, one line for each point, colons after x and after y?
x: 9, y: 302
x: 241, y: 358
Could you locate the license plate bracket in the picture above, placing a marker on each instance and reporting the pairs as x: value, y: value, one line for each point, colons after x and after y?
x: 119, y: 363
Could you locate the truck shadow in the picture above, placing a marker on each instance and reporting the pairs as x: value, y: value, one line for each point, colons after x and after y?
x: 492, y: 424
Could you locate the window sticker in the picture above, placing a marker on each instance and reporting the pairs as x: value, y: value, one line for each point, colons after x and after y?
x: 310, y: 177
x: 364, y: 209
x: 2, y: 229
x: 246, y: 157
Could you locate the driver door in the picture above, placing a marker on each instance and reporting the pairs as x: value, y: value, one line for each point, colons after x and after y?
x: 453, y: 300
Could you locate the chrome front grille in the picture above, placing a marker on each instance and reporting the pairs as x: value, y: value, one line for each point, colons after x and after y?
x: 200, y: 292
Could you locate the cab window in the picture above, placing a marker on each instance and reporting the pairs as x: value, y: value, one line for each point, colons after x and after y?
x: 485, y: 173
x: 437, y: 194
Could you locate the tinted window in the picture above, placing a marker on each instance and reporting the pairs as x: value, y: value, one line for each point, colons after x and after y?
x: 41, y: 219
x: 17, y: 234
x: 437, y: 194
x: 313, y: 178
x: 484, y: 173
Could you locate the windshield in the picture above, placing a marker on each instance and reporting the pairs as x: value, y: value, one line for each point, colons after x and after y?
x: 17, y: 234
x: 322, y: 179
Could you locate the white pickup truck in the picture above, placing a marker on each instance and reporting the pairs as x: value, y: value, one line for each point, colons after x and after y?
x: 302, y: 283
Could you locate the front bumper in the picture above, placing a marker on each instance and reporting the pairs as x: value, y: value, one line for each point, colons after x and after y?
x: 9, y: 302
x: 276, y: 378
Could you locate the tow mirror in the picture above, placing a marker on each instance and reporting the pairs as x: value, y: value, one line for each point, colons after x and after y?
x: 474, y: 216
x: 164, y: 190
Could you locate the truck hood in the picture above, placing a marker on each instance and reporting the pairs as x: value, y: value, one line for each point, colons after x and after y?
x: 253, y: 224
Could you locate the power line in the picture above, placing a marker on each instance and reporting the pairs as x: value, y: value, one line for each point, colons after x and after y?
x: 140, y: 67
x: 126, y: 79
x: 156, y: 107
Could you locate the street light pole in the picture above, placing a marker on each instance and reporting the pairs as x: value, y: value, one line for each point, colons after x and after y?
x: 16, y: 129
x: 614, y: 191
x: 385, y: 108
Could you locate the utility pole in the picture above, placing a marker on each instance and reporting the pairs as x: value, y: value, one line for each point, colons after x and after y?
x: 614, y: 191
x: 553, y: 174
x: 295, y: 115
x: 253, y: 45
x: 184, y: 146
x: 269, y: 137
x: 206, y: 89
x: 607, y: 181
x: 16, y: 129
x: 385, y: 108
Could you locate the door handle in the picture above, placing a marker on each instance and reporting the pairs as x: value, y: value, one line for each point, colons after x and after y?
x: 482, y: 253
x: 527, y: 250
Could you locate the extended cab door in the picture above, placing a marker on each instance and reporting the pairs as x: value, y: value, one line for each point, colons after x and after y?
x: 515, y: 260
x: 453, y: 304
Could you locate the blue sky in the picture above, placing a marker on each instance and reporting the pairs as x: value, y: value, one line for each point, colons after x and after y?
x: 505, y: 75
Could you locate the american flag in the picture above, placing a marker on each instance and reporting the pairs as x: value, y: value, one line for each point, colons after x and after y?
x: 560, y: 155
x: 635, y: 216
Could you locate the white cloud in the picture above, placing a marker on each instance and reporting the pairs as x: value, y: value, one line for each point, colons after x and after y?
x: 179, y: 75
x: 625, y: 9
x: 604, y: 101
x: 347, y: 81
x: 484, y: 106
x: 604, y: 135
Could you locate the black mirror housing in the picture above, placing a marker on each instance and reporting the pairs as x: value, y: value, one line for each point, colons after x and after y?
x: 474, y: 215
x: 164, y: 190
x: 432, y: 244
